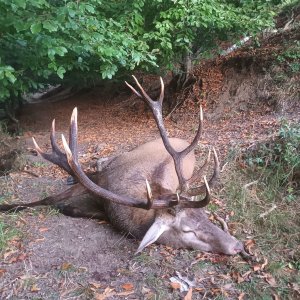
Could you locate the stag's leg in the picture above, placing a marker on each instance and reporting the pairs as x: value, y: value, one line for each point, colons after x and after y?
x: 84, y: 205
x: 76, y: 201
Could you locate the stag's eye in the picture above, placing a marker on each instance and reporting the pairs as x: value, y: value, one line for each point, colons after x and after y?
x: 187, y: 229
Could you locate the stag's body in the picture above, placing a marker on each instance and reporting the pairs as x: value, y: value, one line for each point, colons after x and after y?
x: 126, y: 175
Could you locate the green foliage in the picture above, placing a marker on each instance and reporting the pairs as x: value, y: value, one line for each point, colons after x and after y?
x: 80, y: 42
x: 6, y: 234
x: 280, y: 160
x: 196, y: 26
x: 47, y: 41
x: 291, y: 58
x: 265, y: 199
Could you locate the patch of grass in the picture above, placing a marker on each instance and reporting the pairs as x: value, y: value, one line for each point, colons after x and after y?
x: 145, y: 259
x: 8, y: 229
x: 39, y: 164
x: 265, y: 196
x: 7, y: 232
x: 158, y: 285
x: 82, y: 292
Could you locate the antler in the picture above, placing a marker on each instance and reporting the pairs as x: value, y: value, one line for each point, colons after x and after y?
x: 178, y: 156
x: 156, y: 107
x: 69, y: 162
x: 165, y: 201
x: 57, y: 157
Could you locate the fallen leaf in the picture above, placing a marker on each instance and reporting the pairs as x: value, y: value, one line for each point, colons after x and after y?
x: 227, y: 286
x: 17, y: 258
x: 12, y: 260
x: 264, y: 263
x: 270, y: 280
x: 108, y: 292
x: 199, y: 289
x: 34, y: 288
x: 237, y: 277
x: 124, y: 293
x: 211, y: 218
x: 128, y: 286
x: 188, y: 296
x: 296, y: 287
x: 256, y: 267
x: 275, y: 296
x: 175, y: 285
x: 39, y: 240
x: 216, y: 291
x: 95, y: 285
x: 8, y: 253
x: 246, y: 275
x: 2, y: 271
x: 249, y: 244
x: 65, y: 266
x: 43, y: 229
x: 241, y: 296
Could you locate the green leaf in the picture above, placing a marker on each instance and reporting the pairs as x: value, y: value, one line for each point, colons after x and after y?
x: 60, y: 72
x: 20, y: 3
x: 61, y: 51
x: 51, y: 54
x: 50, y: 26
x: 10, y: 77
x: 90, y: 8
x: 36, y: 28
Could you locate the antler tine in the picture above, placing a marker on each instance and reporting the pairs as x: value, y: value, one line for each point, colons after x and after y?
x: 145, y: 95
x: 37, y: 147
x: 197, y: 136
x: 74, y: 133
x: 149, y: 192
x: 56, y: 157
x: 134, y: 90
x: 54, y: 145
x: 201, y: 169
x: 162, y: 91
x: 149, y: 195
x: 200, y: 203
x: 200, y: 189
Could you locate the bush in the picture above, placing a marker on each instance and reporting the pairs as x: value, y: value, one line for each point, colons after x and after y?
x: 278, y: 161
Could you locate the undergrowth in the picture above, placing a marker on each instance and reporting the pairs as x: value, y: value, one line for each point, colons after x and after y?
x: 8, y: 230
x: 262, y: 187
x: 7, y: 233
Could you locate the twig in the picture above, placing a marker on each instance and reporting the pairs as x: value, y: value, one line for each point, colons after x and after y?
x: 223, y: 223
x: 31, y: 173
x: 247, y: 256
x: 223, y: 168
x: 249, y: 184
x: 268, y: 211
x: 6, y: 144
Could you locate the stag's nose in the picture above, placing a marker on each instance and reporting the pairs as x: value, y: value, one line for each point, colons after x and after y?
x: 233, y: 247
x: 236, y: 248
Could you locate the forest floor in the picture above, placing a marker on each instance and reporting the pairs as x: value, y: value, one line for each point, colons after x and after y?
x: 52, y: 256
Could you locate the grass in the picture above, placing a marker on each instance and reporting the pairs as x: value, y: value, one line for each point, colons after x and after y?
x: 7, y: 233
x: 265, y: 197
x: 8, y: 230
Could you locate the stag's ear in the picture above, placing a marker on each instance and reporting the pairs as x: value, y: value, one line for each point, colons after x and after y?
x: 154, y: 232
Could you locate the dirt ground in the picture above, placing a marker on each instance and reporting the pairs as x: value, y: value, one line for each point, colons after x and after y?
x: 58, y: 257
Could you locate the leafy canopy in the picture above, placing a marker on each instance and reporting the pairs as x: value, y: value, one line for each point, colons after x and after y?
x: 80, y: 42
